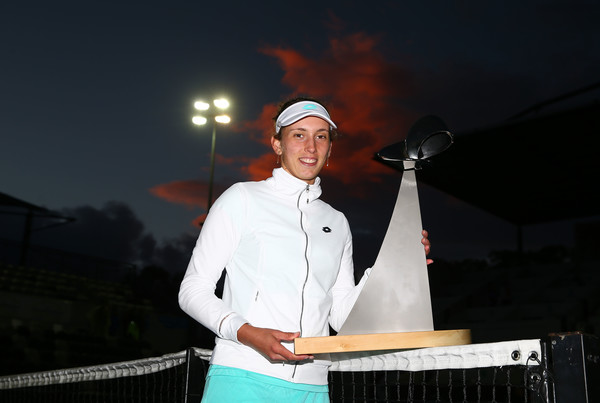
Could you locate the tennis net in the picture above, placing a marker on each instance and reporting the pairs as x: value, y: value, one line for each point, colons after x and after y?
x: 511, y: 371
x: 165, y: 379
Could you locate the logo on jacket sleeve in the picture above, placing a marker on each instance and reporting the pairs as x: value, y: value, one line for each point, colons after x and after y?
x: 326, y: 229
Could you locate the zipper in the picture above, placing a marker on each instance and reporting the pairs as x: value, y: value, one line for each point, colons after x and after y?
x: 305, y: 259
x: 305, y: 255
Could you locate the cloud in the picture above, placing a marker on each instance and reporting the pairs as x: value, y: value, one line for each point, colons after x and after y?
x: 198, y: 221
x: 173, y: 254
x: 257, y: 129
x: 112, y: 232
x: 190, y: 193
x: 364, y: 93
x: 232, y: 161
x: 261, y: 167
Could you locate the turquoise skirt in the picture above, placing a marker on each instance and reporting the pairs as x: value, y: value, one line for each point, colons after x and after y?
x: 226, y: 384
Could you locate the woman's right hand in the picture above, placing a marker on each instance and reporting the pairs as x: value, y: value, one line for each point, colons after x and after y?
x: 268, y: 342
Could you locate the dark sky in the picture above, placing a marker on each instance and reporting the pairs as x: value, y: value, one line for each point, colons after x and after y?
x: 96, y: 105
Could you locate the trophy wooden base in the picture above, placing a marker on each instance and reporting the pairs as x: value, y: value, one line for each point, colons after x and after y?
x: 381, y: 341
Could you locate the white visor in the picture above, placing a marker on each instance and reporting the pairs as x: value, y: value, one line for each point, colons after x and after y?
x: 300, y: 110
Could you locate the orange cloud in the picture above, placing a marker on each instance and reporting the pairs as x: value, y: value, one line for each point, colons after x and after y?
x: 363, y: 92
x: 261, y: 167
x: 262, y: 128
x: 237, y: 160
x: 198, y: 221
x: 189, y: 193
x: 192, y: 194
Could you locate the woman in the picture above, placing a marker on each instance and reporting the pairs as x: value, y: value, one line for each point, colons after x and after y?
x: 288, y: 258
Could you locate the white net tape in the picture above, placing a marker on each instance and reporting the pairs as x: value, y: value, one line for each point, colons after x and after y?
x: 436, y: 358
x: 99, y: 372
x: 467, y: 356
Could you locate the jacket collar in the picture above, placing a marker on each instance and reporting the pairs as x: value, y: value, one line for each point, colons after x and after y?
x: 287, y: 184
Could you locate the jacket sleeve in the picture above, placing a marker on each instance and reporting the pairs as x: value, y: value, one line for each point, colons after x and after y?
x: 214, y: 248
x: 344, y: 291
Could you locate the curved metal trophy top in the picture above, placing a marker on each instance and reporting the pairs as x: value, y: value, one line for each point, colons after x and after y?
x: 429, y: 136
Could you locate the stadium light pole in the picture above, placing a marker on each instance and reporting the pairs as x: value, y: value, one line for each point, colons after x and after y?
x: 217, y: 116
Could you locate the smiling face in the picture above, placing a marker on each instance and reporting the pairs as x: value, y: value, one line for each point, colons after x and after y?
x: 304, y: 147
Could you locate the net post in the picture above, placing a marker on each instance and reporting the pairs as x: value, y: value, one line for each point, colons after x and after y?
x: 538, y: 378
x: 575, y: 367
x: 194, y: 377
x: 548, y: 382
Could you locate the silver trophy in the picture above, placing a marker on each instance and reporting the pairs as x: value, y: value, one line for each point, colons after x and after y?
x: 396, y: 296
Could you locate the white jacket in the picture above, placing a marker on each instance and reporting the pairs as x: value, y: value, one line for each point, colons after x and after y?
x: 288, y: 257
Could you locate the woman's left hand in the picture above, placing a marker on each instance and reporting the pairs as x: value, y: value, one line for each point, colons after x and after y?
x: 427, y: 244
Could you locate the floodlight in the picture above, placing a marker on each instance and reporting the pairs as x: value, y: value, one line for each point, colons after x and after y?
x: 223, y: 119
x: 199, y: 120
x: 201, y: 106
